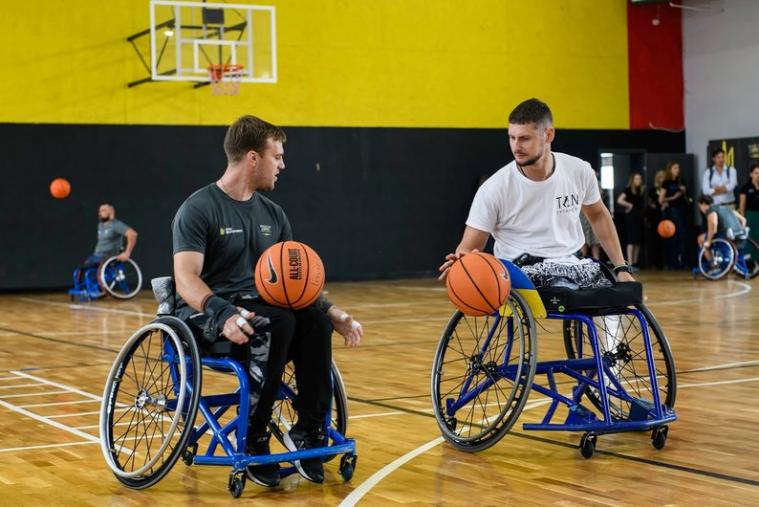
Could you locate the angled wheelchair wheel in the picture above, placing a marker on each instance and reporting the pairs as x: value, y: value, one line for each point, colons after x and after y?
x: 751, y: 258
x: 284, y: 414
x: 120, y: 279
x: 150, y: 402
x: 621, y: 342
x: 723, y: 260
x: 482, y: 374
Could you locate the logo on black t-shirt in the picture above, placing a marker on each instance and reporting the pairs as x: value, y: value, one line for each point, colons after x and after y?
x: 265, y: 229
x: 229, y: 230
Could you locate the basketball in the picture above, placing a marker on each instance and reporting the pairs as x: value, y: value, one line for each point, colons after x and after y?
x: 289, y: 274
x: 478, y: 284
x: 666, y: 229
x: 60, y: 188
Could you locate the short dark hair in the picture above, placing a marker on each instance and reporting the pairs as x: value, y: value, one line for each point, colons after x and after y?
x: 706, y: 199
x: 717, y: 152
x: 531, y: 111
x: 753, y: 166
x: 249, y: 133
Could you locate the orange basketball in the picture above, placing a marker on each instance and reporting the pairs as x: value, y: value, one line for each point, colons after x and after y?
x: 289, y: 274
x: 478, y: 284
x: 60, y: 188
x: 666, y: 229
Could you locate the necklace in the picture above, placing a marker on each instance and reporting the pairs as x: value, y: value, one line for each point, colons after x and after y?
x: 553, y: 168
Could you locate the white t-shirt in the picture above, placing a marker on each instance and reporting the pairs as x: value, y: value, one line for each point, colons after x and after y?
x: 541, y: 218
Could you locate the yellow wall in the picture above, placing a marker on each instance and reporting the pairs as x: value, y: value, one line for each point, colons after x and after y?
x: 395, y: 63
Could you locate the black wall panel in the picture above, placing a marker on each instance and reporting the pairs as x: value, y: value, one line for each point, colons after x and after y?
x: 374, y: 202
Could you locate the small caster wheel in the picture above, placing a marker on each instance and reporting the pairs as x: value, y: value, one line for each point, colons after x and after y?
x: 588, y: 445
x: 659, y: 436
x: 188, y: 456
x: 236, y: 484
x: 348, y: 466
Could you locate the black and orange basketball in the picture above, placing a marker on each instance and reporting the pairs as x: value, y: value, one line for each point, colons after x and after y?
x: 478, y: 284
x: 289, y: 274
x: 666, y: 229
x: 60, y: 188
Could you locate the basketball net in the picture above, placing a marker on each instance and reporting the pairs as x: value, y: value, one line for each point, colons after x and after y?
x: 225, y: 78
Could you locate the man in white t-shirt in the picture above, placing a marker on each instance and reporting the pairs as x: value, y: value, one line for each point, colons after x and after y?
x: 532, y: 205
x: 720, y: 180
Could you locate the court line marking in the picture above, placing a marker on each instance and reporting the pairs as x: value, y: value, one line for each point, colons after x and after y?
x: 45, y: 420
x: 380, y: 474
x: 753, y: 362
x: 719, y: 382
x: 84, y: 307
x: 744, y: 289
x: 57, y: 403
x: 47, y: 446
x: 24, y: 395
x: 78, y: 414
x: 16, y: 386
x: 56, y: 384
x: 381, y: 414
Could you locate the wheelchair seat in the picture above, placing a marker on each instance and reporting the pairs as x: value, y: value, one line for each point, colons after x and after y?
x: 619, y: 295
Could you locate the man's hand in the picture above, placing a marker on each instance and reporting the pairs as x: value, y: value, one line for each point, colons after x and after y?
x: 237, y: 329
x: 123, y: 256
x: 450, y: 259
x: 344, y: 324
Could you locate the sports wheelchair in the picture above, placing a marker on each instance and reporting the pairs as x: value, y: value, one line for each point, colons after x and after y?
x: 120, y: 279
x: 617, y: 359
x: 153, y: 394
x: 729, y: 252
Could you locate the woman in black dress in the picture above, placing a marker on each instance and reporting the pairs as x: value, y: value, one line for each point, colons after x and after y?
x: 673, y: 198
x: 632, y: 200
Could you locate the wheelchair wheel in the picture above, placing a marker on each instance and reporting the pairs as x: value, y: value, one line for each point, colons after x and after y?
x: 150, y: 402
x: 482, y: 375
x: 724, y: 256
x: 284, y: 414
x: 621, y: 342
x: 751, y: 258
x: 120, y: 279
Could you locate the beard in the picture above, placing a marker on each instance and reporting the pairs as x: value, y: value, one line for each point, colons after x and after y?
x: 533, y: 160
x: 104, y: 219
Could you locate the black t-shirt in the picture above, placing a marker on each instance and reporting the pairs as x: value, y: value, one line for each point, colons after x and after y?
x: 635, y: 199
x: 672, y: 187
x: 752, y: 196
x: 231, y: 235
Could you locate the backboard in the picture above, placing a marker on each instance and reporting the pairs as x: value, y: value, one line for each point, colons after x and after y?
x: 188, y: 38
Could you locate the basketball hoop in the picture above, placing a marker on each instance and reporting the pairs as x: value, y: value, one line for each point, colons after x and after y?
x: 225, y: 78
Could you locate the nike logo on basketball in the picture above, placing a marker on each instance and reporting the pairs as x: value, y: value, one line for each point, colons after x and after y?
x: 272, y: 272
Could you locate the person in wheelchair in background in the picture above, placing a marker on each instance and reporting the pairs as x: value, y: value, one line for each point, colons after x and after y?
x: 721, y: 221
x: 532, y: 208
x: 111, y: 234
x: 218, y: 234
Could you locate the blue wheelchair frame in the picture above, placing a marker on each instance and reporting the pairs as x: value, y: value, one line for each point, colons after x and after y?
x: 739, y: 250
x: 86, y: 285
x: 234, y: 449
x: 594, y: 373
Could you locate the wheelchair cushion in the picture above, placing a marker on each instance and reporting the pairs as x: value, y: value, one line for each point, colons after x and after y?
x: 620, y: 295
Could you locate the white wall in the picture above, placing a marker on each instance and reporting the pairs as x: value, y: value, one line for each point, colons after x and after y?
x: 721, y: 70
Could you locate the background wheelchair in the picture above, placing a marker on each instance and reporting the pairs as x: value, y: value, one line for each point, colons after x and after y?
x: 153, y: 394
x: 729, y: 253
x: 617, y: 356
x: 120, y: 279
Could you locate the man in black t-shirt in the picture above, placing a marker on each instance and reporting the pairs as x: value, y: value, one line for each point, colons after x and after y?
x: 218, y: 234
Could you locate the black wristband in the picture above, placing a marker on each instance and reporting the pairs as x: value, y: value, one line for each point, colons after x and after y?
x: 622, y: 268
x: 219, y: 310
x: 323, y: 303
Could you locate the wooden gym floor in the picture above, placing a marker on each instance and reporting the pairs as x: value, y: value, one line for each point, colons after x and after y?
x: 54, y: 357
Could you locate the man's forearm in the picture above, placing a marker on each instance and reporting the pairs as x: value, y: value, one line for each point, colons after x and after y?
x: 131, y: 242
x: 603, y: 227
x: 193, y: 290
